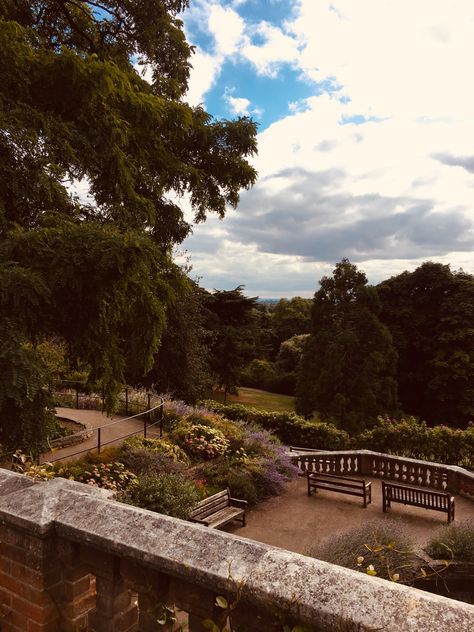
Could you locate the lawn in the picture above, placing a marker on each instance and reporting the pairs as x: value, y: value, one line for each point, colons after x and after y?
x: 262, y: 400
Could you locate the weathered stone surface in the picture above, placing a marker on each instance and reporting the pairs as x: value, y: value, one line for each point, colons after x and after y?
x: 12, y: 482
x: 270, y: 578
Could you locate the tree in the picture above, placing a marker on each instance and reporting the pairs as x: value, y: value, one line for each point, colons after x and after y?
x: 231, y: 322
x: 348, y: 366
x: 96, y: 270
x: 290, y: 318
x: 430, y: 313
x: 181, y: 365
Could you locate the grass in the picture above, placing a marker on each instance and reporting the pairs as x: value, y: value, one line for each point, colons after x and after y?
x: 261, y: 400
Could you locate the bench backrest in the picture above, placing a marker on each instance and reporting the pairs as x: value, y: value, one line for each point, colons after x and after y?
x: 333, y: 478
x: 430, y: 498
x: 211, y: 505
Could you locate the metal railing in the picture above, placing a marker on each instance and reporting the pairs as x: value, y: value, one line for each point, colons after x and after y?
x: 102, y: 440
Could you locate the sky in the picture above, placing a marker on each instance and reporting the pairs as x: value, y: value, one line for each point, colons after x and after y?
x: 365, y: 112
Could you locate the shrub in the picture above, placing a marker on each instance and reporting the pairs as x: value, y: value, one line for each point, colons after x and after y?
x: 405, y: 437
x: 161, y: 446
x: 111, y: 476
x: 412, y: 438
x: 142, y: 461
x: 169, y: 494
x: 381, y: 548
x: 289, y: 427
x: 455, y: 540
x: 203, y: 442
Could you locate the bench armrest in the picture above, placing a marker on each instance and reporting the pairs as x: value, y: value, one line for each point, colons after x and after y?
x: 368, y: 483
x: 236, y: 502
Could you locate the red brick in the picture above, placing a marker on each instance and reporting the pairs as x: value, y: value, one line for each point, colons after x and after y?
x: 41, y: 614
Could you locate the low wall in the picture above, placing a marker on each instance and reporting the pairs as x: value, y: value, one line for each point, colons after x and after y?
x: 387, y: 466
x: 71, y: 558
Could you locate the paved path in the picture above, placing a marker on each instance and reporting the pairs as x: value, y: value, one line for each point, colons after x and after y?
x: 93, y: 419
x: 297, y: 522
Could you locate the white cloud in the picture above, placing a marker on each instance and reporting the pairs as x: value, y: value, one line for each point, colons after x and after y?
x: 227, y: 28
x: 274, y: 48
x: 389, y: 193
x: 206, y: 69
x: 391, y: 55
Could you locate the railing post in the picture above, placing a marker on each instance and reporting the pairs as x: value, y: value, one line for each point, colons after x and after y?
x: 77, y: 396
x: 126, y: 401
x: 161, y: 418
x: 98, y: 440
x: 144, y: 425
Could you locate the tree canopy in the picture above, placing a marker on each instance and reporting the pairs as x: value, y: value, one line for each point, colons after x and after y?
x: 77, y: 115
x: 348, y: 366
x: 430, y: 313
x: 231, y: 323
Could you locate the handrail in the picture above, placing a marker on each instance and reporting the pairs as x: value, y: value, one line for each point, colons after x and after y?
x: 146, y: 414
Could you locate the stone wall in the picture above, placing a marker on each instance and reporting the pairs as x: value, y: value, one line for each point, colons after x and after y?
x: 71, y: 559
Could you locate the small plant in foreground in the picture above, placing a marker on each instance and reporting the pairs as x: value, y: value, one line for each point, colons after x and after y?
x: 456, y: 539
x: 381, y: 548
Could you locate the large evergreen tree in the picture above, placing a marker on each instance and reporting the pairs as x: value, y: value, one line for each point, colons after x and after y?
x: 231, y: 322
x: 96, y: 271
x: 348, y: 366
x: 430, y: 313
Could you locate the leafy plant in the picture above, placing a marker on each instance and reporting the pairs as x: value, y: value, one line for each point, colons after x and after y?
x: 161, y: 446
x: 456, y: 539
x: 203, y: 442
x: 381, y: 548
x: 169, y: 494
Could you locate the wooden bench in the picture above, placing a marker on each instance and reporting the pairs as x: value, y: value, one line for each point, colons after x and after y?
x: 219, y: 509
x: 418, y: 497
x: 343, y: 484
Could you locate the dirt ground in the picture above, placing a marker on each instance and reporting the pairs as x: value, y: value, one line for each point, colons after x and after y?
x: 296, y: 522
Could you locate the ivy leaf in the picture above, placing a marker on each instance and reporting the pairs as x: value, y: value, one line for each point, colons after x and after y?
x: 221, y: 602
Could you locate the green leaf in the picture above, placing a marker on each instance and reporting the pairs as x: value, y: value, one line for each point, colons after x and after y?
x: 222, y: 602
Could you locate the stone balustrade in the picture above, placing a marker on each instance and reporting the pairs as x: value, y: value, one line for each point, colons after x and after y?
x: 387, y: 466
x: 71, y: 559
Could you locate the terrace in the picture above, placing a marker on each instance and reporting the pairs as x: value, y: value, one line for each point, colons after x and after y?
x: 72, y: 558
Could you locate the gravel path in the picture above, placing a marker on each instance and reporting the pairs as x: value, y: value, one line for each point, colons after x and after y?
x: 297, y: 522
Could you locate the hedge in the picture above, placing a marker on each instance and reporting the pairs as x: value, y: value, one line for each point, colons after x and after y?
x: 404, y: 437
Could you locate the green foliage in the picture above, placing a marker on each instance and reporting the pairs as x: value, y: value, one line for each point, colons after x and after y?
x: 231, y: 322
x: 290, y: 428
x: 97, y: 273
x: 26, y: 407
x: 430, y: 313
x: 203, y: 442
x: 412, y: 438
x: 291, y: 317
x: 181, y: 365
x: 455, y: 540
x: 169, y: 494
x: 347, y: 370
x: 113, y: 476
x: 382, y: 548
x: 161, y: 446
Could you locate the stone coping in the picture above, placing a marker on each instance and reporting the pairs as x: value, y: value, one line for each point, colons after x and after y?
x: 316, y: 592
